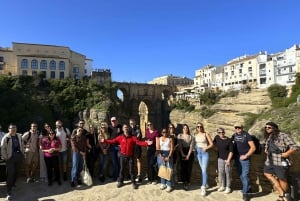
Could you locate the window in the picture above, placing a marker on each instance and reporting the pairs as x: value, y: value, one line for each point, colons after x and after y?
x: 34, y: 73
x: 61, y: 65
x: 24, y: 63
x: 24, y: 72
x: 44, y: 74
x: 75, y: 69
x: 52, y: 74
x: 34, y: 64
x: 43, y: 64
x: 1, y: 59
x: 52, y: 65
x: 61, y: 75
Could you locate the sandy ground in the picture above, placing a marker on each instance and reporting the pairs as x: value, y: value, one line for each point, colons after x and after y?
x: 108, y: 191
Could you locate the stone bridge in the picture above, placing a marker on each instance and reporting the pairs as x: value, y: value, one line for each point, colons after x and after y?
x: 147, y: 102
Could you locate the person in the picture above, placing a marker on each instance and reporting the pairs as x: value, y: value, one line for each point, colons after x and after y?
x: 279, y: 146
x: 78, y: 144
x: 43, y: 168
x: 114, y: 130
x: 151, y: 135
x: 92, y: 149
x: 51, y: 147
x: 173, y: 135
x: 224, y: 149
x: 1, y: 133
x: 165, y: 146
x: 136, y: 131
x: 12, y: 152
x: 127, y: 143
x: 81, y: 124
x: 63, y: 134
x: 243, y: 149
x: 31, y: 142
x: 186, y: 144
x: 203, y: 142
x: 104, y: 150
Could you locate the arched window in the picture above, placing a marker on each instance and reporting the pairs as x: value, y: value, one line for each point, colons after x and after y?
x: 34, y: 64
x: 52, y: 65
x: 61, y: 65
x: 43, y: 64
x: 24, y: 63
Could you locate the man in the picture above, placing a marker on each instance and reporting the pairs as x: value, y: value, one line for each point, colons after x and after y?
x: 80, y: 124
x: 114, y: 130
x: 127, y: 143
x: 243, y: 148
x: 279, y: 146
x: 31, y: 142
x: 64, y: 135
x: 136, y: 131
x: 12, y: 152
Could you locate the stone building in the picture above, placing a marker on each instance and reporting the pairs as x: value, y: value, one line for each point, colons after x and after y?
x: 172, y: 80
x: 55, y: 62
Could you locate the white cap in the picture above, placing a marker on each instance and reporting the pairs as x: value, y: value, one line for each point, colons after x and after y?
x: 113, y: 119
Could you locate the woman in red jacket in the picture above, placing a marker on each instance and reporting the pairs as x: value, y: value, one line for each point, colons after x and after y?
x: 127, y: 143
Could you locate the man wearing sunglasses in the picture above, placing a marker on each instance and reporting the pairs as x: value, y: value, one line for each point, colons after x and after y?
x: 244, y: 147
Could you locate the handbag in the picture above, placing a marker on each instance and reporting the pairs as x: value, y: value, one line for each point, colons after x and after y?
x: 85, y: 175
x: 165, y: 171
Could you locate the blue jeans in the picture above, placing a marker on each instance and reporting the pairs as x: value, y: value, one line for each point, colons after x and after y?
x: 170, y: 164
x: 102, y: 163
x: 113, y: 152
x: 77, y: 166
x: 203, y: 158
x: 243, y: 167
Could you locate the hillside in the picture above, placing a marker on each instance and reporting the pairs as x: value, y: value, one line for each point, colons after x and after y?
x: 237, y: 109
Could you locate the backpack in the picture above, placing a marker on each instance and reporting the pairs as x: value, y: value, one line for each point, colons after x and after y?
x: 255, y: 140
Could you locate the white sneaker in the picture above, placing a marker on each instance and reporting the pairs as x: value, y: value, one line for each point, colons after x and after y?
x: 228, y: 190
x: 203, y: 191
x: 169, y: 189
x: 154, y: 182
x: 221, y: 189
x: 162, y: 187
x: 8, y: 197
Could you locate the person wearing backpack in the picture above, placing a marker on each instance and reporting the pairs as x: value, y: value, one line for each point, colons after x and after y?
x: 244, y: 147
x: 12, y: 151
x: 279, y: 146
x: 63, y: 134
x: 31, y: 142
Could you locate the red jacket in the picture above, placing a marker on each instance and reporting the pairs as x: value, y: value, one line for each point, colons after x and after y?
x: 126, y: 143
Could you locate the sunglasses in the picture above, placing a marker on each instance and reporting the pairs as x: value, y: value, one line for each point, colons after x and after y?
x: 237, y: 127
x: 199, y: 126
x: 148, y: 124
x: 51, y: 133
x: 268, y: 127
x: 220, y: 132
x: 164, y: 132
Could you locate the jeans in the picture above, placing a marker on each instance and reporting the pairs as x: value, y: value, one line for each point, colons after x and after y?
x: 77, y: 166
x: 224, y: 173
x: 113, y: 152
x: 203, y: 158
x: 169, y: 163
x: 243, y: 167
x: 102, y: 163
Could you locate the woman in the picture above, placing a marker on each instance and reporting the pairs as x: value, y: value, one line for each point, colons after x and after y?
x: 164, y: 145
x: 51, y: 146
x: 203, y: 142
x: 279, y: 146
x: 78, y: 143
x: 151, y: 135
x: 173, y: 135
x: 104, y: 149
x: 224, y: 148
x: 43, y: 169
x: 186, y: 155
x: 92, y: 148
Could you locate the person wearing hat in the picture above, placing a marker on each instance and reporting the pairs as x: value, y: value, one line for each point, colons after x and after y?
x: 244, y: 147
x: 114, y: 130
x: 279, y: 146
x: 224, y: 148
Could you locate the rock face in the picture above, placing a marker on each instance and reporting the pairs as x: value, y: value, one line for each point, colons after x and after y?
x: 228, y: 111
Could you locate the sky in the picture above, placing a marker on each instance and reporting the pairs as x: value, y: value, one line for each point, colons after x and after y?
x: 139, y: 40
